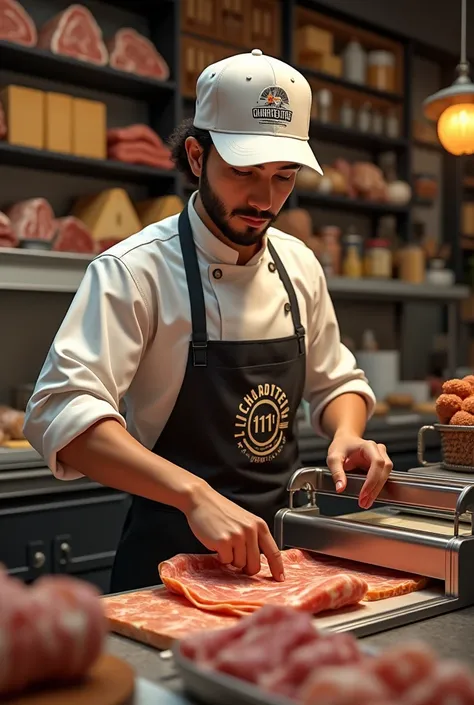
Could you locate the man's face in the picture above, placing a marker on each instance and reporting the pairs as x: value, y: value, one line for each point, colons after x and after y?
x: 244, y: 201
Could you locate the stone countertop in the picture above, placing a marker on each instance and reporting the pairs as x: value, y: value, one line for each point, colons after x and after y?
x: 451, y: 635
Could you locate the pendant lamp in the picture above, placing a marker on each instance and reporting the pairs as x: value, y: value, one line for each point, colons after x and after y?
x: 453, y: 107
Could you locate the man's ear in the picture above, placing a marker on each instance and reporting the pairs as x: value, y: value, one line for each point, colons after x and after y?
x: 195, y: 155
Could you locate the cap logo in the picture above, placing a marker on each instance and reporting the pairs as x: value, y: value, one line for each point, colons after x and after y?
x: 273, y: 107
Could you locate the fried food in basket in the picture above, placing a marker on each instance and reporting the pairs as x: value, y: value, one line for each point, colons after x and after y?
x: 447, y: 405
x: 462, y: 418
x: 460, y: 387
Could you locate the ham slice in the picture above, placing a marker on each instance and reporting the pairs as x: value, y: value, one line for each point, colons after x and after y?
x: 16, y: 24
x: 157, y: 617
x: 140, y: 153
x: 74, y: 32
x: 312, y: 584
x: 131, y: 51
x: 137, y: 132
x: 32, y: 219
x: 7, y: 236
x: 209, y: 585
x: 72, y: 236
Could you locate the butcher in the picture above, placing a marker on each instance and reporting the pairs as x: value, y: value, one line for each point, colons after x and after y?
x: 178, y: 370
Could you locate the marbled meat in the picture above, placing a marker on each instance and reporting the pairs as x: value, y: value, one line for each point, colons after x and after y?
x: 132, y: 52
x: 313, y: 584
x: 32, y: 219
x: 74, y: 32
x: 158, y: 617
x: 16, y: 25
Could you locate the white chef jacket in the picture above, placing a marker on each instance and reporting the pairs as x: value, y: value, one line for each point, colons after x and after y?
x: 126, y: 334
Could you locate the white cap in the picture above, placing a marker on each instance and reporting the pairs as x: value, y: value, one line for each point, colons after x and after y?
x: 257, y: 110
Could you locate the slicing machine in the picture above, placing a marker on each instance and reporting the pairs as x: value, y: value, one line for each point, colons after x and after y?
x: 424, y: 526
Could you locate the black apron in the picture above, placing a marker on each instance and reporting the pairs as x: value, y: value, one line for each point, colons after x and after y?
x: 233, y: 425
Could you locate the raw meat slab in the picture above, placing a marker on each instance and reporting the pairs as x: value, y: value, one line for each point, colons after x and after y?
x: 312, y: 584
x: 157, y: 617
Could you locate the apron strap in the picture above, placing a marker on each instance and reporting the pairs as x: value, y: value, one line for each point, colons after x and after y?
x: 196, y: 294
x: 294, y: 308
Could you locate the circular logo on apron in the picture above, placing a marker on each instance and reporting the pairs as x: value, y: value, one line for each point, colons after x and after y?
x: 261, y: 422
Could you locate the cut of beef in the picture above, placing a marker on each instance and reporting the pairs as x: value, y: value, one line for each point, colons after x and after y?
x: 157, y: 617
x: 134, y: 133
x: 16, y: 24
x: 313, y: 583
x: 32, y: 219
x: 8, y: 238
x: 74, y: 32
x: 141, y: 152
x: 72, y: 236
x: 132, y: 52
x: 214, y: 587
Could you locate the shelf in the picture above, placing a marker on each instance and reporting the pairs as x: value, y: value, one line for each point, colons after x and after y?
x: 424, y: 202
x: 354, y: 138
x: 13, y: 155
x: 349, y: 85
x: 350, y: 204
x: 393, y: 290
x: 429, y: 146
x: 44, y: 64
x: 468, y: 183
x: 41, y: 271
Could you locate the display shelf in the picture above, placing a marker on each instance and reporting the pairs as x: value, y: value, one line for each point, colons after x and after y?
x: 44, y: 64
x: 326, y: 132
x: 41, y: 271
x: 349, y: 85
x: 394, y: 290
x: 429, y: 146
x: 13, y: 155
x: 349, y: 204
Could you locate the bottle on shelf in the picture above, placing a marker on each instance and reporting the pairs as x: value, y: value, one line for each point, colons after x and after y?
x: 412, y: 259
x: 352, y: 261
x: 354, y: 60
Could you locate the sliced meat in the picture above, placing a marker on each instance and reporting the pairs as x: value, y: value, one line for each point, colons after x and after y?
x: 32, y: 219
x: 157, y: 617
x: 140, y: 153
x: 450, y: 684
x: 403, y: 666
x: 134, y: 133
x: 74, y: 32
x: 16, y: 25
x: 313, y: 583
x: 343, y: 685
x: 72, y: 236
x: 51, y: 631
x: 132, y: 52
x: 8, y: 238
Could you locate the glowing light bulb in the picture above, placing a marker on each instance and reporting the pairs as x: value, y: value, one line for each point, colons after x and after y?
x: 456, y: 129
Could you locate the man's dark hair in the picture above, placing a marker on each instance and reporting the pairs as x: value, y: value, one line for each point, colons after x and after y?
x: 178, y: 150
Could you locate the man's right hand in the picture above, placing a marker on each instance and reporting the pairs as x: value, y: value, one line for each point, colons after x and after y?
x: 237, y: 536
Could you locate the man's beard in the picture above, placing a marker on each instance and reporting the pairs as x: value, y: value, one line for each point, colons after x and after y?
x: 220, y: 217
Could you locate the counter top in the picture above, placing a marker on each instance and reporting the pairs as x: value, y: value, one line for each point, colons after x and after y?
x: 451, y: 635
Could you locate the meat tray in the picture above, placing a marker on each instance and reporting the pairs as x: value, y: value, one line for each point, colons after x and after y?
x: 215, y: 688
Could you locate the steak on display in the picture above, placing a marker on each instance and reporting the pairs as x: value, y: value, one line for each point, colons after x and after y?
x: 74, y: 32
x: 16, y: 24
x: 132, y: 52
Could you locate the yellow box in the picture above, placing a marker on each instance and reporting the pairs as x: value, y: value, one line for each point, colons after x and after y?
x: 58, y: 122
x: 311, y: 41
x: 468, y: 219
x: 89, y: 128
x: 24, y: 112
x: 329, y: 64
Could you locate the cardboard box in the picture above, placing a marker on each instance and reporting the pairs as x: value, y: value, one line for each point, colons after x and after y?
x: 89, y: 128
x: 312, y: 41
x: 327, y: 63
x: 58, y: 122
x: 24, y: 113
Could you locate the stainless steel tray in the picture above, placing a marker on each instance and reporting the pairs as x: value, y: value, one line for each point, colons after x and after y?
x: 215, y: 688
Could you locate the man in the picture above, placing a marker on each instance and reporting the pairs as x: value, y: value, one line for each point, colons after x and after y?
x: 211, y: 326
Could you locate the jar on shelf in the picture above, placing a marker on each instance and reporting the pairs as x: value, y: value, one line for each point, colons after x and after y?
x: 347, y: 114
x: 324, y: 105
x: 378, y: 259
x: 331, y: 237
x: 411, y: 263
x: 354, y: 60
x: 377, y: 122
x: 364, y: 117
x: 392, y: 124
x: 352, y: 261
x: 381, y: 70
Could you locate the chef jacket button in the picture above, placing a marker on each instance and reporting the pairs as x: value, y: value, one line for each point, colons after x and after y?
x: 287, y: 307
x: 272, y: 266
x: 217, y: 274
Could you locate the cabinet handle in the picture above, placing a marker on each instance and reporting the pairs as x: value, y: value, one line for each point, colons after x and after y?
x: 39, y: 559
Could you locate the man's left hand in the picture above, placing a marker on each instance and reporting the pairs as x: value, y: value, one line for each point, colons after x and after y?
x: 350, y: 452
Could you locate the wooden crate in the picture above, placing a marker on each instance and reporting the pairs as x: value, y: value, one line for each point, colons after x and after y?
x: 232, y: 22
x: 196, y: 54
x: 200, y: 17
x: 263, y: 26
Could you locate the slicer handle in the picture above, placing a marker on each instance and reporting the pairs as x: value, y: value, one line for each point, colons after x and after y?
x: 421, y: 445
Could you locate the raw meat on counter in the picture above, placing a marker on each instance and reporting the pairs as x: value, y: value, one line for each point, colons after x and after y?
x: 132, y: 52
x: 32, y: 219
x: 138, y: 144
x: 157, y: 617
x: 51, y: 631
x: 281, y: 652
x: 313, y: 584
x: 8, y: 238
x: 74, y: 32
x: 72, y: 236
x: 16, y: 24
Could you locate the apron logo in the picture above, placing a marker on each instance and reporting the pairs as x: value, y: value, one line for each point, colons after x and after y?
x: 261, y: 423
x: 273, y: 107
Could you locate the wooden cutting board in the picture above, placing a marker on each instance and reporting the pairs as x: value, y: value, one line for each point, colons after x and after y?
x: 111, y: 681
